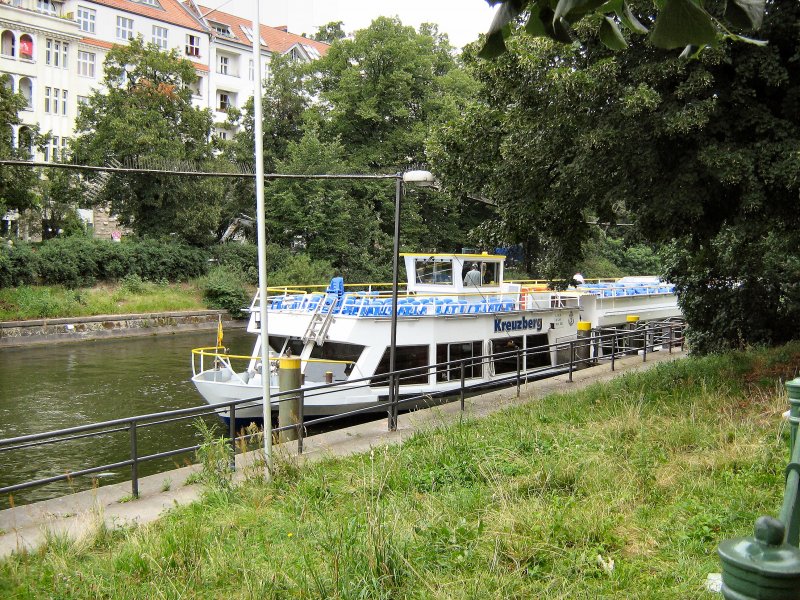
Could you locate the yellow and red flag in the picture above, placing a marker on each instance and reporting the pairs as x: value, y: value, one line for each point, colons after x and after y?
x: 219, y: 332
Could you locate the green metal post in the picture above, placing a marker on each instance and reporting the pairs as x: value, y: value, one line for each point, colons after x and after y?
x: 793, y: 389
x: 767, y: 565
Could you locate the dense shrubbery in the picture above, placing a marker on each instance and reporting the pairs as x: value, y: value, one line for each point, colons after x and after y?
x: 223, y: 288
x: 78, y: 261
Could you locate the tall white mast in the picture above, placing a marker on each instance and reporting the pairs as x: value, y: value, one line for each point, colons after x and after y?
x: 262, y: 240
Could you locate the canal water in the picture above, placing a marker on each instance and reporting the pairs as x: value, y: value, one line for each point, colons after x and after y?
x: 44, y: 388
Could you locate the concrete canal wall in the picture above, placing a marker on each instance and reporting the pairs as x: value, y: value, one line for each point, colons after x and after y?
x: 45, y: 331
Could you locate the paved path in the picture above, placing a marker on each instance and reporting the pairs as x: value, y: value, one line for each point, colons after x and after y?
x: 78, y: 515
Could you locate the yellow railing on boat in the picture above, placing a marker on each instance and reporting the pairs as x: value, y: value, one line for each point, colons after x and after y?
x: 224, y: 359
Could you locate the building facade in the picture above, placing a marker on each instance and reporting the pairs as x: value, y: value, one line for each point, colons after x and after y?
x: 53, y: 53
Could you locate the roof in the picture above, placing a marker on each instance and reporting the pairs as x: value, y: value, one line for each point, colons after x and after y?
x: 274, y: 39
x: 171, y: 11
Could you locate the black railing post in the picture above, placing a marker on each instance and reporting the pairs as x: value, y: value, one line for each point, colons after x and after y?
x: 613, y: 348
x: 571, y: 359
x: 232, y: 433
x: 392, y: 402
x: 301, y: 423
x: 462, y: 385
x: 644, y: 345
x: 134, y: 461
x: 670, y: 339
x: 519, y: 372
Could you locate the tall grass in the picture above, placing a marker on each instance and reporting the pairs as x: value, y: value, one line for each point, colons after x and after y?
x: 622, y: 490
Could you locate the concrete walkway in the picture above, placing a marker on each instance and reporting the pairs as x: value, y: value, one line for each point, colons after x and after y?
x: 79, y: 515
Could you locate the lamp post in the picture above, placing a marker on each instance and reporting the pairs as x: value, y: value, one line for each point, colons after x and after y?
x: 420, y: 179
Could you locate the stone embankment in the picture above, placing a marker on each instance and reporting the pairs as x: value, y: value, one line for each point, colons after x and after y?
x: 41, y: 331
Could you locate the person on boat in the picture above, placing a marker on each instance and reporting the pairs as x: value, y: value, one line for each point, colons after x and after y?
x: 473, y: 278
x: 578, y: 279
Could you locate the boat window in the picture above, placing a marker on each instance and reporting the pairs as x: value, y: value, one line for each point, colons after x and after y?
x: 504, y: 356
x: 537, y: 353
x: 333, y: 351
x: 277, y: 342
x: 434, y: 270
x: 458, y: 351
x: 489, y: 273
x: 406, y: 357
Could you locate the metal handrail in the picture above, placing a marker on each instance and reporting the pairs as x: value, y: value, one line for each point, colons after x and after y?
x: 649, y: 335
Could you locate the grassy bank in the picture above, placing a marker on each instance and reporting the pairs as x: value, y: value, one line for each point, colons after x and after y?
x: 132, y: 295
x: 622, y: 490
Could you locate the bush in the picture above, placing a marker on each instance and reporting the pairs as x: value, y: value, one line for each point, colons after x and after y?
x: 18, y: 265
x: 239, y: 257
x: 222, y: 288
x: 70, y: 262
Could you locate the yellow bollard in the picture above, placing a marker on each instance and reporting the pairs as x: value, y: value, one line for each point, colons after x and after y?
x: 289, y: 407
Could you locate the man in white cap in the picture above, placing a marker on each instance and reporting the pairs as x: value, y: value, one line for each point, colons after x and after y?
x: 473, y: 278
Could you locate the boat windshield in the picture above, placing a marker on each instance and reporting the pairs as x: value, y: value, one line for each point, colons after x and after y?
x: 434, y: 270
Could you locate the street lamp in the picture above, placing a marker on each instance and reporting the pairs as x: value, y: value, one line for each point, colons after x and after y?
x: 420, y: 179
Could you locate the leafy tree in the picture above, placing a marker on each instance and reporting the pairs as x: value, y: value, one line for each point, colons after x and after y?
x: 61, y: 194
x: 701, y: 153
x: 145, y: 116
x: 381, y: 90
x: 674, y: 23
x: 330, y: 32
x: 17, y: 184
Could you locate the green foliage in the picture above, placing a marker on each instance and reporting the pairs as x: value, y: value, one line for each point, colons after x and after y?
x: 678, y: 23
x: 17, y: 184
x: 242, y: 258
x: 80, y: 261
x: 214, y: 454
x: 145, y: 113
x: 222, y: 288
x: 18, y: 264
x: 699, y: 152
x: 330, y: 32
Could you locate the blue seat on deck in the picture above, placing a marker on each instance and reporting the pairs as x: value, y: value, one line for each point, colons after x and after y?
x: 336, y: 287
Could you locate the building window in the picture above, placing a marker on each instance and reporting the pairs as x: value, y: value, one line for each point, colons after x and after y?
x: 151, y: 3
x: 124, y: 28
x: 53, y: 149
x: 64, y: 149
x: 192, y: 45
x: 86, y: 19
x: 26, y: 47
x: 221, y: 29
x: 223, y: 135
x: 55, y: 53
x: 160, y: 37
x: 46, y: 7
x: 224, y: 101
x: 222, y: 64
x: 52, y: 98
x: 251, y: 70
x: 83, y: 100
x: 86, y: 63
x: 197, y: 87
x: 8, y: 43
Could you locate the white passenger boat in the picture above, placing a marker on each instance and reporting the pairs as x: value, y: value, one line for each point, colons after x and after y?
x: 342, y: 335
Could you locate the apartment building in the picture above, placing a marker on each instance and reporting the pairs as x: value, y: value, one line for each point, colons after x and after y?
x: 53, y: 52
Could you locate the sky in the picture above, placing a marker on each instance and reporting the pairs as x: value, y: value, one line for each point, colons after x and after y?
x: 461, y: 20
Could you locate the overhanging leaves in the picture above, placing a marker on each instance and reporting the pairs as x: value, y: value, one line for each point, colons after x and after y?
x: 610, y: 35
x: 745, y: 14
x: 681, y: 23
